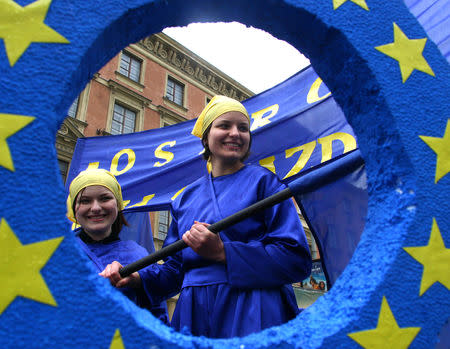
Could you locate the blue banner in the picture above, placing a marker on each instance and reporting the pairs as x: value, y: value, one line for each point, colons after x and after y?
x: 139, y: 229
x: 434, y: 16
x: 296, y: 126
x: 335, y: 209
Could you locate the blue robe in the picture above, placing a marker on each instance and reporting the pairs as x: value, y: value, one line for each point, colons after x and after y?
x: 125, y: 252
x: 264, y: 255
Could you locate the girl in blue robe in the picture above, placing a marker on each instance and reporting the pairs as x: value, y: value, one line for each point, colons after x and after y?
x: 95, y: 202
x: 236, y: 282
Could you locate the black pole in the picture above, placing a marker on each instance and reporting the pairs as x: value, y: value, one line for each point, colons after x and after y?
x: 215, y: 228
x: 330, y: 170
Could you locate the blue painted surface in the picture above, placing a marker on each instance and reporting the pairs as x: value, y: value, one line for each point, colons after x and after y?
x: 386, y: 114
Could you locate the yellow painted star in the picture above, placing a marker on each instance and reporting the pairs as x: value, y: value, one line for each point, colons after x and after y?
x: 441, y: 146
x: 408, y: 53
x: 435, y: 258
x: 361, y: 3
x: 20, y: 267
x: 387, y: 334
x: 117, y: 342
x: 20, y: 26
x: 9, y: 125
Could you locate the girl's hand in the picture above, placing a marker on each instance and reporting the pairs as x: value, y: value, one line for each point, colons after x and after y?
x: 111, y: 272
x: 204, y: 242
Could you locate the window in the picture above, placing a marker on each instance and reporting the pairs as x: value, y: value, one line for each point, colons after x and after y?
x: 123, y: 120
x: 175, y: 91
x: 169, y: 118
x: 130, y: 67
x: 73, y: 108
x: 63, y: 168
x: 163, y: 226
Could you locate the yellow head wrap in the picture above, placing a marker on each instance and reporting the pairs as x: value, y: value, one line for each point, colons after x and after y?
x: 216, y: 107
x: 90, y: 177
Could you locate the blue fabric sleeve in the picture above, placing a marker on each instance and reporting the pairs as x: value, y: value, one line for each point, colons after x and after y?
x: 280, y: 257
x: 125, y: 252
x: 162, y: 281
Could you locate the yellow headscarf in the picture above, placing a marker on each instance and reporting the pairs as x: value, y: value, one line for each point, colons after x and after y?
x: 95, y: 176
x: 216, y: 107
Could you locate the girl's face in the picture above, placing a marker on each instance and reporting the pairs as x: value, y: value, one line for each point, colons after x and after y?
x: 96, y: 210
x: 229, y: 137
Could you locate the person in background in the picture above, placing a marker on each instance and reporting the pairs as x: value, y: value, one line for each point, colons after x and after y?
x: 313, y: 282
x: 95, y: 203
x: 236, y: 282
x: 321, y: 285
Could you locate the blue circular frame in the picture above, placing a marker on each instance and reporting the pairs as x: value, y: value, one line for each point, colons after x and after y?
x: 387, y: 114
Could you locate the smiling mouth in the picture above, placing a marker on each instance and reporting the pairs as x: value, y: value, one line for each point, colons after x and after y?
x: 232, y: 145
x: 97, y: 218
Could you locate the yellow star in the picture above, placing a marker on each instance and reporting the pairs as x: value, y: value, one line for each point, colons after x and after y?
x: 387, y: 334
x: 408, y: 53
x: 20, y: 267
x: 9, y: 125
x: 441, y: 146
x: 117, y: 342
x: 20, y: 26
x: 361, y: 3
x: 435, y: 258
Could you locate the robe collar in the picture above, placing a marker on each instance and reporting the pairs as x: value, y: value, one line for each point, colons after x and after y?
x: 88, y: 240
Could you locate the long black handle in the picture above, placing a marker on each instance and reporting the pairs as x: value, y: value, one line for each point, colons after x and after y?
x: 215, y: 228
x: 325, y: 173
